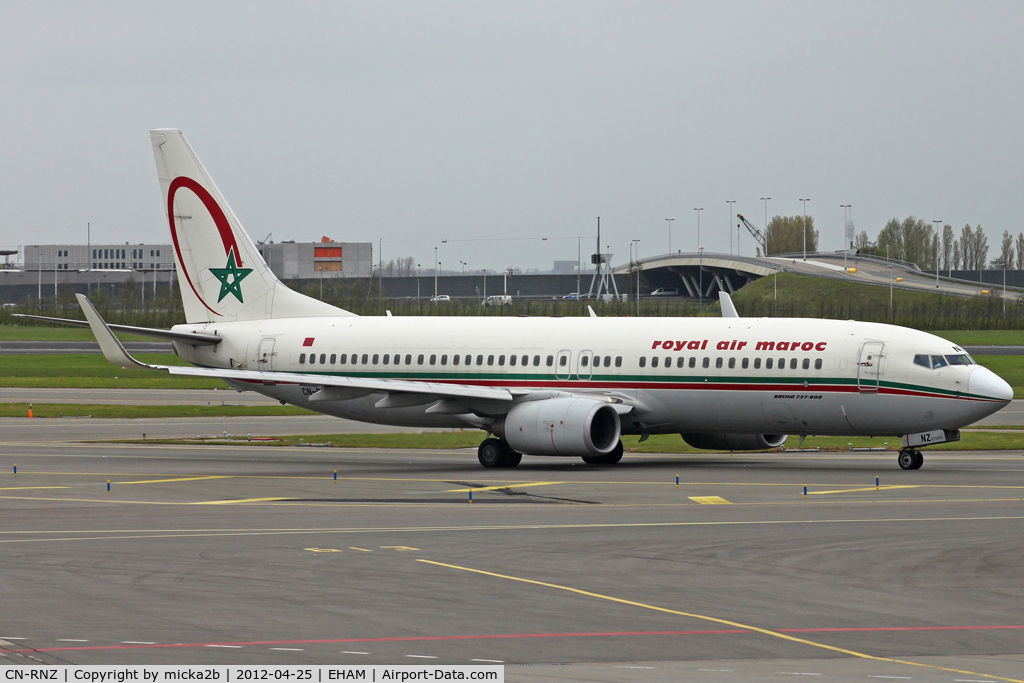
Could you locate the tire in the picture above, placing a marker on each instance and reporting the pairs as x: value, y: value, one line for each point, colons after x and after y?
x: 906, y: 460
x: 491, y: 453
x: 918, y: 460
x: 512, y: 459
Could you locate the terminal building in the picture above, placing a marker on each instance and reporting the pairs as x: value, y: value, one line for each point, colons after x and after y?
x: 73, y: 257
x: 316, y: 260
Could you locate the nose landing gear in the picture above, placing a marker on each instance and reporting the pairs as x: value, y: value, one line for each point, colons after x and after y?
x: 910, y: 459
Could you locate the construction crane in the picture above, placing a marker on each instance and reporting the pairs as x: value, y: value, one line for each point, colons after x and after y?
x: 755, y: 233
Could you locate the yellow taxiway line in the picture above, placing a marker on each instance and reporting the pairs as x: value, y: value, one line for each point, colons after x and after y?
x: 725, y: 622
x: 505, y: 486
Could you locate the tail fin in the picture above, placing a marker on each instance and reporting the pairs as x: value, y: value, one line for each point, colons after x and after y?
x: 224, y: 277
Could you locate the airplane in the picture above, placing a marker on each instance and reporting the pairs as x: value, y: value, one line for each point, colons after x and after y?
x: 552, y: 386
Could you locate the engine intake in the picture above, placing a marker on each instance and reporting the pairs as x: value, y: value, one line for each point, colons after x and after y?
x: 735, y: 442
x: 561, y: 426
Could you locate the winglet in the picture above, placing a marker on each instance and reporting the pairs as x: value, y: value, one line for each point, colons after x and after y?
x: 591, y: 309
x: 113, y: 350
x: 728, y: 308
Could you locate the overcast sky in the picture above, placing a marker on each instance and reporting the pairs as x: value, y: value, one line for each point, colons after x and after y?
x: 417, y: 122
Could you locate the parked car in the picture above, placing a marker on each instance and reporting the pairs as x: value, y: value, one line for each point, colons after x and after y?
x: 498, y: 300
x: 573, y: 295
x: 665, y: 291
x: 439, y: 298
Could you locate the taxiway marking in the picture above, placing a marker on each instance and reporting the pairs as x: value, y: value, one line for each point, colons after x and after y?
x: 868, y: 488
x: 710, y: 500
x: 166, y: 481
x: 505, y: 486
x: 717, y: 620
x: 235, y: 502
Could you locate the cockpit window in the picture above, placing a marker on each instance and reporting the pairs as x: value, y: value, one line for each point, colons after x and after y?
x: 960, y: 359
x: 922, y: 360
x: 938, y: 362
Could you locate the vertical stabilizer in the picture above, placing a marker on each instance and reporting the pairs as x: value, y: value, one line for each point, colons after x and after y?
x: 222, y: 275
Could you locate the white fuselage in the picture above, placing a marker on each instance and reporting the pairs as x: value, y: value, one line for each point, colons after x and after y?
x: 679, y: 375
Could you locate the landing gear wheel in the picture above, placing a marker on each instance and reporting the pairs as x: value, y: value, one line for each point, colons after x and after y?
x: 491, y: 453
x: 607, y: 459
x: 512, y: 459
x: 910, y: 459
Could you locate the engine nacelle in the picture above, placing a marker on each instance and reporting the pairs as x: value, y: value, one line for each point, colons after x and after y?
x: 735, y: 442
x: 561, y: 426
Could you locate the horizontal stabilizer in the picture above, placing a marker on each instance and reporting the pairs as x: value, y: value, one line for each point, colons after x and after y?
x: 190, y: 337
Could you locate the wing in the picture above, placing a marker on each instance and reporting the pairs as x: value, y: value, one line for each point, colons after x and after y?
x: 400, y: 392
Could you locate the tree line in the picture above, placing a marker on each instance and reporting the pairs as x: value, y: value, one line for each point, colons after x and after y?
x: 915, y: 241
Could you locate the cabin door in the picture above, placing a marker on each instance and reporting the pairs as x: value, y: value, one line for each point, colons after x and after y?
x: 562, y: 363
x: 265, y: 358
x: 583, y: 363
x: 869, y: 367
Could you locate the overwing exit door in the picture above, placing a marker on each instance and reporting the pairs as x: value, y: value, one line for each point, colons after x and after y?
x: 265, y: 358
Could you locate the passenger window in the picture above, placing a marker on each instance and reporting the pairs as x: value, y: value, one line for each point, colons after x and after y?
x: 480, y: 360
x: 718, y: 362
x: 376, y: 357
x: 302, y: 359
x: 419, y: 359
x: 607, y: 361
x: 584, y: 361
x: 732, y: 363
x: 807, y: 364
x: 343, y: 359
x: 408, y: 359
x: 334, y: 357
x: 782, y: 364
x: 768, y: 364
x: 444, y: 359
x: 693, y: 362
x: 561, y: 361
x: 323, y: 358
x: 536, y: 361
x: 654, y: 361
x: 501, y: 360
x: 680, y: 362
x: 455, y: 359
x: 550, y: 361
x: 312, y: 358
x: 366, y: 356
x: 757, y: 363
x: 433, y: 358
x: 707, y: 362
x: 922, y: 360
x: 386, y: 356
x: 490, y: 360
x: 512, y: 360
x: 817, y: 364
x: 792, y: 363
x: 668, y: 361
x: 643, y: 361
x: 938, y: 362
x: 746, y: 363
x: 618, y: 361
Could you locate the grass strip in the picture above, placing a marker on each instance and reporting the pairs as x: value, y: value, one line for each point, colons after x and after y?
x: 51, y: 410
x: 658, y: 443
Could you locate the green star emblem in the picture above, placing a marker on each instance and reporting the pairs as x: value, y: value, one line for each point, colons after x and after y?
x: 230, y: 277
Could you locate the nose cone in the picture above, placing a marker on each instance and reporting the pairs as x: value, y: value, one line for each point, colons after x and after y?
x: 985, y: 383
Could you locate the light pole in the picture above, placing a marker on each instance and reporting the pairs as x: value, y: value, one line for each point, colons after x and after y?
x: 698, y: 225
x: 435, y: 272
x: 844, y: 207
x: 805, y: 226
x: 669, y: 220
x: 579, y: 265
x: 700, y: 270
x: 635, y: 247
x: 728, y: 226
x: 765, y: 200
x: 937, y: 255
x: 463, y: 268
x: 40, y: 266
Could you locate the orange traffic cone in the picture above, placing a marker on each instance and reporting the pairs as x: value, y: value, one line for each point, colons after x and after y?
x: 30, y: 410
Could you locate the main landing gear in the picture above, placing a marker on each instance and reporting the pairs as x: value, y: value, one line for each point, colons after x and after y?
x: 496, y: 453
x: 910, y: 459
x: 609, y: 459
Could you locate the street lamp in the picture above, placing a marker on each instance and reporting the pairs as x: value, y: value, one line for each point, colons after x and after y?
x: 635, y: 249
x: 805, y: 226
x: 937, y: 254
x: 670, y: 234
x: 435, y: 272
x: 463, y: 268
x: 765, y: 200
x: 700, y: 270
x: 844, y: 207
x: 728, y: 226
x: 698, y: 225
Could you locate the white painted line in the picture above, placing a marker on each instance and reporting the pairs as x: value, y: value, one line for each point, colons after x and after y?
x: 347, y: 652
x: 137, y: 642
x: 71, y: 640
x: 235, y: 647
x: 796, y: 673
x: 10, y: 638
x: 288, y: 649
x: 721, y: 670
x: 972, y: 680
x: 490, y: 661
x: 421, y: 656
x: 899, y: 678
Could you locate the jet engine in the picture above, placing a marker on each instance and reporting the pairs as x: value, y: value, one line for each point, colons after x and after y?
x: 735, y: 442
x: 561, y: 426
